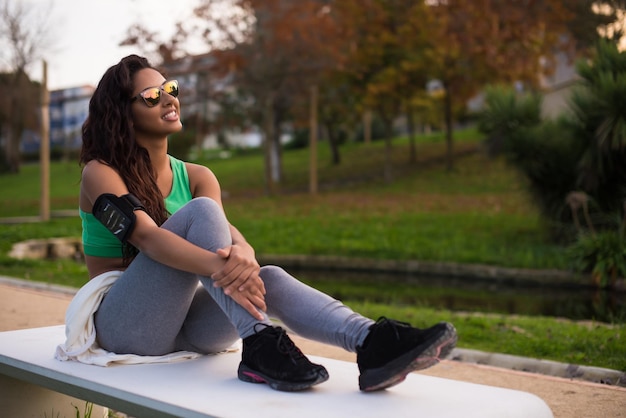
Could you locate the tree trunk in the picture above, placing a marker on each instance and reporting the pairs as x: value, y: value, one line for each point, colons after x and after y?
x: 19, y: 118
x: 268, y: 145
x: 16, y: 128
x: 448, y: 123
x: 277, y: 155
x: 13, y: 159
x: 313, y: 129
x: 367, y: 126
x: 333, y: 143
x: 410, y: 122
x: 388, y: 169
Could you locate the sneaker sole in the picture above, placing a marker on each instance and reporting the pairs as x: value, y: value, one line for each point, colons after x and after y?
x: 396, y: 371
x: 248, y: 375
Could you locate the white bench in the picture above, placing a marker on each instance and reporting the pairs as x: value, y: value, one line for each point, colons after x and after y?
x: 208, y: 387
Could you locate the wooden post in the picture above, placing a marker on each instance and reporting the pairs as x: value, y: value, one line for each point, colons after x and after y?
x: 44, y: 148
x: 313, y: 184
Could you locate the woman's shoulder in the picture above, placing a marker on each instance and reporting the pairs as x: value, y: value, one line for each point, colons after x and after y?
x: 97, y: 163
x: 198, y: 170
x: 98, y: 178
x: 202, y: 181
x: 102, y: 177
x: 96, y: 167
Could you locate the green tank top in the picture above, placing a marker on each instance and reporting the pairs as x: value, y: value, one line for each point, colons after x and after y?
x: 100, y: 242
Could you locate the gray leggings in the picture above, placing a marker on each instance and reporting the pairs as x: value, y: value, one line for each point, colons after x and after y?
x: 153, y: 309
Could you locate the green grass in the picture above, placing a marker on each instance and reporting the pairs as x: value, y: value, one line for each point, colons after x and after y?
x: 21, y: 192
x: 478, y: 213
x: 63, y: 272
x: 590, y: 343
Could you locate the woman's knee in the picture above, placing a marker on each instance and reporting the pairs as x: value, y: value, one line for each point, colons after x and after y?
x: 201, y: 210
x: 276, y: 278
x: 198, y: 205
x: 271, y: 272
x: 202, y: 204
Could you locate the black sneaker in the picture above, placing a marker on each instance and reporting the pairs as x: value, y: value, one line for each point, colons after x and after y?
x: 394, y: 349
x: 269, y: 356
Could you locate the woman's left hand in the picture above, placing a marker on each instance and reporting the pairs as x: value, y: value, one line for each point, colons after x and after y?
x: 240, y: 272
x: 252, y: 300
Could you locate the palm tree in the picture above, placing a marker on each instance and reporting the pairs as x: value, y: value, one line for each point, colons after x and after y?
x: 599, y: 120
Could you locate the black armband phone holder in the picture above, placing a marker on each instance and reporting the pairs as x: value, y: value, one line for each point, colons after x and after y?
x: 117, y: 214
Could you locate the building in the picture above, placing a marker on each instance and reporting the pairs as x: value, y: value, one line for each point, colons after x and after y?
x: 68, y: 111
x: 558, y: 86
x: 198, y: 87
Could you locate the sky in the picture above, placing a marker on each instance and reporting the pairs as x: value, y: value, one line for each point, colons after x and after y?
x: 85, y: 34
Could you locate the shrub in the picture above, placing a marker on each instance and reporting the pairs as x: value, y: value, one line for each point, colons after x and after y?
x: 506, y: 112
x: 548, y: 156
x: 546, y: 153
x: 599, y: 121
x: 603, y: 255
x: 582, y: 153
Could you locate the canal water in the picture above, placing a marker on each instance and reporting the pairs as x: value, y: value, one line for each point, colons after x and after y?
x: 471, y: 295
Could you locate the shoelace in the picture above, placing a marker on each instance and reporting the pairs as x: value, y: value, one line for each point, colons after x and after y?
x: 284, y: 343
x: 394, y: 325
x: 286, y: 346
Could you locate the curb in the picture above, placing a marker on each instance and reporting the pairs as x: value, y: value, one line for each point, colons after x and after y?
x: 429, y: 268
x: 487, y: 273
x: 545, y: 367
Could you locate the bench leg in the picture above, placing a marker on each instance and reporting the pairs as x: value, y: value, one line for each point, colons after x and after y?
x: 23, y: 399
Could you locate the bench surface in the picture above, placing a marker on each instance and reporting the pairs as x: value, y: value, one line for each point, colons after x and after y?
x: 208, y: 387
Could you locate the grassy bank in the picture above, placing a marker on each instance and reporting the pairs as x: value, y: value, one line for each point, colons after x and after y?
x: 478, y: 213
x: 585, y: 343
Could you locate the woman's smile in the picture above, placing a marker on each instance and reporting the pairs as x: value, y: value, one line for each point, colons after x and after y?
x: 172, y: 115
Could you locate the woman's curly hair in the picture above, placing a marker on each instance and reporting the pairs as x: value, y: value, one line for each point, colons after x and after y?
x: 109, y: 137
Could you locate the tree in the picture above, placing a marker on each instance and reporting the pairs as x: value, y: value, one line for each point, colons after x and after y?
x: 337, y: 115
x: 598, y: 121
x: 276, y: 49
x: 386, y: 61
x: 155, y: 48
x: 486, y: 41
x: 599, y: 111
x: 593, y: 19
x: 25, y: 36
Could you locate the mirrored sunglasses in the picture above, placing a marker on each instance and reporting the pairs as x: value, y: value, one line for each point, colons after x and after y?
x: 152, y: 95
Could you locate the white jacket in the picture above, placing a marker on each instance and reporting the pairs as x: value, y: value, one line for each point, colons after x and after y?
x: 80, y: 344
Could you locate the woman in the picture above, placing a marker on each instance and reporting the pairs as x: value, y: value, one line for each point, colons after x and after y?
x: 178, y: 277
